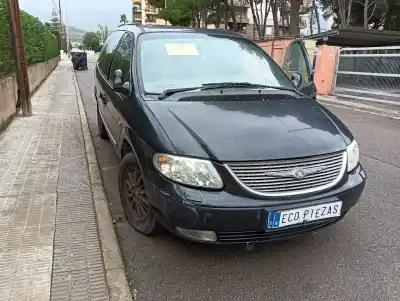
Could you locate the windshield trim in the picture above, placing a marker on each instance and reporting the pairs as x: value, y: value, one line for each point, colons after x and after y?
x: 138, y: 63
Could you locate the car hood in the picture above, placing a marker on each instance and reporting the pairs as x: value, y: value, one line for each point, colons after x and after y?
x: 245, y: 131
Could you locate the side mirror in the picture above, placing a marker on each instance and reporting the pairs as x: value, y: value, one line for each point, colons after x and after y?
x: 118, y: 85
x: 297, y: 79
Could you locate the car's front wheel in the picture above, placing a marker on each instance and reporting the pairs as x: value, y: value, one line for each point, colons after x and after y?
x: 134, y: 197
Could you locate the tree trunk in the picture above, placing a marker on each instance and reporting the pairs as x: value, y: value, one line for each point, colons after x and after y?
x: 312, y: 19
x: 267, y: 10
x: 256, y: 17
x: 218, y: 15
x: 233, y: 14
x: 226, y: 9
x: 317, y: 16
x: 365, y: 14
x: 294, y: 26
x: 274, y: 7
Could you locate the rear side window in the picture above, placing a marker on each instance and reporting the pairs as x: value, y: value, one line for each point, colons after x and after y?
x: 123, y: 57
x: 107, y: 52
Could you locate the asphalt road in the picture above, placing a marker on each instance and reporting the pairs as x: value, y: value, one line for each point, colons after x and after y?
x: 355, y: 259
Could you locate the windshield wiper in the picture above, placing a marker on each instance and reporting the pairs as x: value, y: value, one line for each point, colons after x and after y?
x: 223, y: 85
x: 210, y: 86
x: 169, y: 92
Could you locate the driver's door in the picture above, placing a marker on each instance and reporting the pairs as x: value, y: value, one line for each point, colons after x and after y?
x: 296, y: 60
x: 122, y: 60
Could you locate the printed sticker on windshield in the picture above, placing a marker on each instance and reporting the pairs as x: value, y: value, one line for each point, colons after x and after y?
x: 181, y: 49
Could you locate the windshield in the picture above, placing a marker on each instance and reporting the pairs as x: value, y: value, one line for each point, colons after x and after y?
x: 182, y: 60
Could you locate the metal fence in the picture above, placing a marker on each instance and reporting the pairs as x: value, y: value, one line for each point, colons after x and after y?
x: 369, y: 73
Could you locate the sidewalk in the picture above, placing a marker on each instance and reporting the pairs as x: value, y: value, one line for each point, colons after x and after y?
x: 57, y: 241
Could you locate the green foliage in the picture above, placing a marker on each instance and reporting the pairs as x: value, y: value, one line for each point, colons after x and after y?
x: 5, y: 52
x: 186, y: 12
x: 90, y: 40
x: 40, y: 44
x: 123, y: 19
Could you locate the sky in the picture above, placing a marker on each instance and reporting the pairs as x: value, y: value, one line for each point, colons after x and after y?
x: 82, y: 14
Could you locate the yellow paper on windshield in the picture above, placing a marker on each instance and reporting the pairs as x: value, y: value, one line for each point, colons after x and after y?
x: 181, y: 49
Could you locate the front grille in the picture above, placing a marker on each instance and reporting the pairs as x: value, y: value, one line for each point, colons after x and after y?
x: 278, y: 177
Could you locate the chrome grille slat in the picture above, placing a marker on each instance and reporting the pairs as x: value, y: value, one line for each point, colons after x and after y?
x: 252, y: 175
x: 332, y: 174
x: 288, y: 166
x: 261, y: 172
x: 287, y: 161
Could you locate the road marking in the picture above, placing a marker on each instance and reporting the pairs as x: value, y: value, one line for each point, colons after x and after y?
x: 361, y: 110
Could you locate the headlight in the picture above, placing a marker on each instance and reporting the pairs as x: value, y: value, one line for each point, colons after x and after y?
x: 353, y: 155
x: 189, y: 171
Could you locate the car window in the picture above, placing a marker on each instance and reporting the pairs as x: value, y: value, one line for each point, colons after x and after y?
x: 181, y: 60
x: 296, y: 60
x: 106, y: 53
x: 122, y: 57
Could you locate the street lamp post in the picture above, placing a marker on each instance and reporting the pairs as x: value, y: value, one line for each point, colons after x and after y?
x: 101, y: 31
x: 66, y: 27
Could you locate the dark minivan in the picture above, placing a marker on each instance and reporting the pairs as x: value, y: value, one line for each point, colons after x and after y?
x: 216, y: 142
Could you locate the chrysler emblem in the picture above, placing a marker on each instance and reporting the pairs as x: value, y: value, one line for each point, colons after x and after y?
x: 298, y: 173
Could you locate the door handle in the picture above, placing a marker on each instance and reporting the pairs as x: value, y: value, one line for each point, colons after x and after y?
x: 103, y: 98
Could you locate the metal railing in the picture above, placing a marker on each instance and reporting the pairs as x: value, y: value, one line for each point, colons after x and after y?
x: 369, y: 73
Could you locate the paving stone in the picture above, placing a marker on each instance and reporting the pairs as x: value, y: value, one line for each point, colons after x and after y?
x: 49, y: 241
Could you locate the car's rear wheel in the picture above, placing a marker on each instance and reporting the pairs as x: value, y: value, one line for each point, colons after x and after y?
x: 134, y: 198
x: 100, y: 124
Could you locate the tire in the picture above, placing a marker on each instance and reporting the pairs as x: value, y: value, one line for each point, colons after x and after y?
x: 100, y: 125
x: 129, y: 171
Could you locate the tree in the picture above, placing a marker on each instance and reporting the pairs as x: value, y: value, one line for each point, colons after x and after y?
x: 260, y: 18
x: 123, y: 19
x: 90, y: 40
x: 102, y: 33
x: 377, y: 14
x: 54, y: 24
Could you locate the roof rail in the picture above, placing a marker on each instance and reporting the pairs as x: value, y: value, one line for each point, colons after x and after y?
x: 132, y: 23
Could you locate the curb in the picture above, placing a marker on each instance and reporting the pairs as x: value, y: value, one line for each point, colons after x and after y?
x: 361, y: 107
x: 118, y: 286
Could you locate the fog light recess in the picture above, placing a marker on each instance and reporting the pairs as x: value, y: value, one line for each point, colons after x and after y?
x: 199, y: 235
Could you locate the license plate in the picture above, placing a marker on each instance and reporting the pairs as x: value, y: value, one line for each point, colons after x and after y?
x: 278, y: 219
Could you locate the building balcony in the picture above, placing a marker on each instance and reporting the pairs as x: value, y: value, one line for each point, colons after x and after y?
x: 151, y: 12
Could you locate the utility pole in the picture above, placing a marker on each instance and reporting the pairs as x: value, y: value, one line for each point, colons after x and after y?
x: 66, y: 27
x: 14, y: 18
x: 61, y: 26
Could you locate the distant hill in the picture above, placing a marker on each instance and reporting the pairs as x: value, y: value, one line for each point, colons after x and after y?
x: 75, y: 34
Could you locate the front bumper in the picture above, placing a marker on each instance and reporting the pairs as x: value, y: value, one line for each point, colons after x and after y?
x: 246, y: 221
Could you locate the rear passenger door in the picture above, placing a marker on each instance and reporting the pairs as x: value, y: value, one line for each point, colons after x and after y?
x: 297, y: 60
x: 122, y: 60
x: 103, y: 89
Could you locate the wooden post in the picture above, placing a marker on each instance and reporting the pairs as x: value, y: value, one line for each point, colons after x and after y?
x: 19, y: 55
x: 61, y: 26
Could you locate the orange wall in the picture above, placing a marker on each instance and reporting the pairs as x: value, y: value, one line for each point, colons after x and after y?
x: 324, y: 76
x: 276, y: 49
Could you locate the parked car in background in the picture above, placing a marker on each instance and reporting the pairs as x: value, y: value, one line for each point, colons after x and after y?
x: 216, y: 143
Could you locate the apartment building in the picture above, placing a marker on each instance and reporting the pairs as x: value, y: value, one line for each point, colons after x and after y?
x: 144, y: 13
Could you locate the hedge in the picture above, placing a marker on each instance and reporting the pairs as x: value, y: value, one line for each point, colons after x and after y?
x: 40, y: 44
